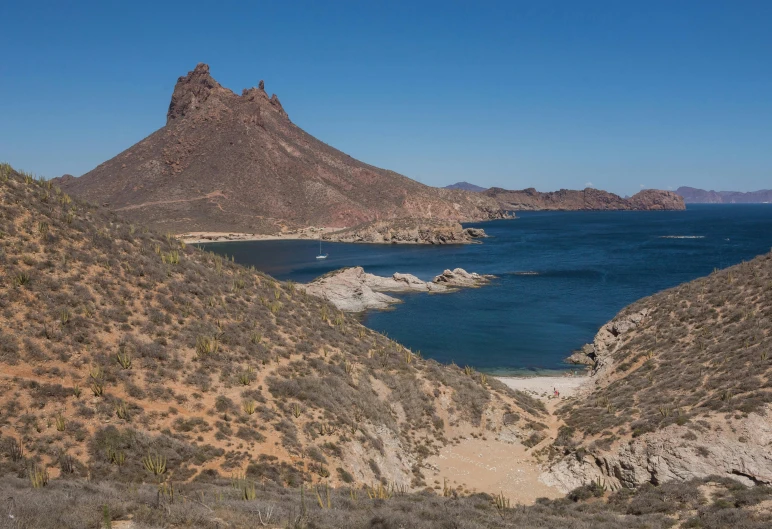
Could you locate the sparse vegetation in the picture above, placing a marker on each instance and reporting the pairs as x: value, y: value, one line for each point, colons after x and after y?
x: 193, y: 354
x: 701, y: 350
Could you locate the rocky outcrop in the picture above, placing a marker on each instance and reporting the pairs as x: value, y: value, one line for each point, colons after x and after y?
x: 656, y: 200
x: 587, y: 199
x: 584, y: 356
x: 460, y: 278
x: 354, y: 290
x: 408, y: 231
x: 607, y: 339
x: 739, y: 450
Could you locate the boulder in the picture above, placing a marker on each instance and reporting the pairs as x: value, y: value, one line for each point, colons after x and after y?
x: 460, y: 278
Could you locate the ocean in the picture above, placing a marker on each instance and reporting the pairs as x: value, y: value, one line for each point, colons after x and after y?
x: 560, y: 276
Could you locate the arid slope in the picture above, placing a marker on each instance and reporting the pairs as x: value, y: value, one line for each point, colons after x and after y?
x: 682, y: 386
x: 148, y: 384
x: 119, y: 347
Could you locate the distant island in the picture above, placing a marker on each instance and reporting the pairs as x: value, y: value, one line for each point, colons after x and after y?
x: 693, y: 195
x: 466, y: 186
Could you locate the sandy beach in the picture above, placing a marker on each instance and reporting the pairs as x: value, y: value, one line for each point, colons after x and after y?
x: 543, y: 387
x: 200, y: 237
x: 493, y: 465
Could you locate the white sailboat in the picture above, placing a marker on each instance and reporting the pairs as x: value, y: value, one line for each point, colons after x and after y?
x: 321, y: 255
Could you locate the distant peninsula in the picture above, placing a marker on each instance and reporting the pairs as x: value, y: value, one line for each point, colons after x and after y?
x: 693, y: 195
x: 586, y: 199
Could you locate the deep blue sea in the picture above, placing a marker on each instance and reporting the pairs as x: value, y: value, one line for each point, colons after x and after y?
x: 561, y: 275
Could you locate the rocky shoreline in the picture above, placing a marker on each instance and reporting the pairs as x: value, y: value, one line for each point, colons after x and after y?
x: 407, y: 231
x: 354, y: 290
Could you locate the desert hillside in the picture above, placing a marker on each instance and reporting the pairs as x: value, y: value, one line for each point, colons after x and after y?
x: 236, y: 163
x: 681, y: 386
x: 586, y: 199
x: 156, y: 385
x: 119, y: 346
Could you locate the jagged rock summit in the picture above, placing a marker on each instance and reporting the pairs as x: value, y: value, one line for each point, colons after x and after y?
x: 236, y: 163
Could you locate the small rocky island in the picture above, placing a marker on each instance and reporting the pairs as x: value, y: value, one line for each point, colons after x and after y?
x: 354, y: 290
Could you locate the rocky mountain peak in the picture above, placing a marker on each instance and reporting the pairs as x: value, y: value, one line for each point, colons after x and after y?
x: 191, y: 91
x: 241, y: 165
x: 198, y: 89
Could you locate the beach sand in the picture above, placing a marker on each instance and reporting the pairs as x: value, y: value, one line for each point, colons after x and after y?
x: 543, y: 387
x: 199, y: 237
x: 485, y: 463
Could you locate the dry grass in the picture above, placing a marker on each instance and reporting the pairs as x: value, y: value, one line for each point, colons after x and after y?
x: 243, y: 502
x: 703, y: 350
x: 117, y: 342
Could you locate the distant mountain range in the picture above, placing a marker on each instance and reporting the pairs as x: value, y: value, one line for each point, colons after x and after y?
x: 226, y: 162
x: 692, y: 195
x: 466, y: 186
x: 574, y: 200
x: 586, y: 199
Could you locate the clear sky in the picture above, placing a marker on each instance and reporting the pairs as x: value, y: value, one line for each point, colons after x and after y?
x: 622, y: 94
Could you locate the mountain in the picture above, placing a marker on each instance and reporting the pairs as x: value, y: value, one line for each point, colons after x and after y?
x: 693, y: 195
x: 236, y: 163
x: 681, y: 387
x: 466, y: 186
x: 587, y: 199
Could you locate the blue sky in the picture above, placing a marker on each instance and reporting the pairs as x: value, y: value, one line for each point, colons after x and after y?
x: 622, y: 94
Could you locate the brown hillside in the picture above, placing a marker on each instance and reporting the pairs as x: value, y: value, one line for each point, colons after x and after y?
x: 227, y: 162
x: 150, y: 385
x: 119, y: 347
x: 587, y: 199
x: 681, y: 386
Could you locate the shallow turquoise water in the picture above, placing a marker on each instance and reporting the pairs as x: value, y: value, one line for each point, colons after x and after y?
x: 561, y: 275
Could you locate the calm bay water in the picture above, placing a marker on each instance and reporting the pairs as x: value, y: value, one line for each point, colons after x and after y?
x: 561, y: 275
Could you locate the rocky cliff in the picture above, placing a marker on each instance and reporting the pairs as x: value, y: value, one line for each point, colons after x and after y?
x: 587, y: 199
x: 236, y: 163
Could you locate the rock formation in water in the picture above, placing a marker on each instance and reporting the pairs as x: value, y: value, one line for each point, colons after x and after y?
x: 354, y: 290
x: 236, y: 163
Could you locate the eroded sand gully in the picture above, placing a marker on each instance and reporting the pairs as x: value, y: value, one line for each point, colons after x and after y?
x: 486, y: 464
